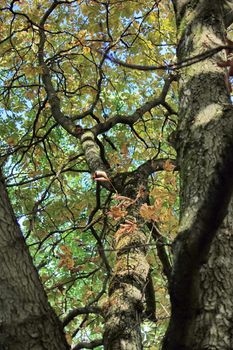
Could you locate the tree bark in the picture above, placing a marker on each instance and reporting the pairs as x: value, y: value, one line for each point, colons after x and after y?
x: 26, y: 318
x: 129, y: 279
x: 201, y: 287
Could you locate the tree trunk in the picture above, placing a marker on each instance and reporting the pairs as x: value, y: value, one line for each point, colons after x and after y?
x: 27, y: 321
x: 201, y: 287
x: 129, y: 280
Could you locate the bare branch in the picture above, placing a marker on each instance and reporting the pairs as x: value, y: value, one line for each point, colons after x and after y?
x: 91, y: 345
x: 170, y: 66
x: 131, y: 119
x: 80, y: 311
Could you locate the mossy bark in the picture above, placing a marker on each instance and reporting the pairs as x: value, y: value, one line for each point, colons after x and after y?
x: 129, y: 280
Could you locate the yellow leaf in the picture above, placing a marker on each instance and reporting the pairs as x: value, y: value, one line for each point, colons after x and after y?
x: 69, y: 263
x: 82, y: 34
x: 86, y: 50
x: 10, y: 141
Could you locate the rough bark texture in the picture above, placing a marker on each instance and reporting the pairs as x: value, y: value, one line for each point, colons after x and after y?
x: 201, y: 287
x: 128, y: 284
x: 27, y: 321
x: 92, y: 152
x: 129, y: 280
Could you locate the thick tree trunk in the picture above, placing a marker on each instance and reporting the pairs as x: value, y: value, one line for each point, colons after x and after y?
x: 129, y: 280
x: 131, y: 286
x: 201, y: 287
x: 27, y: 321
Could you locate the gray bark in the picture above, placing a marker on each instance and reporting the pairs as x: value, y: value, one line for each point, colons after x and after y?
x: 26, y: 319
x: 201, y: 287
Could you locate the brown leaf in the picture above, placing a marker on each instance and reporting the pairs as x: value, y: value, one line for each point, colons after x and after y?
x: 117, y: 213
x: 168, y: 166
x: 128, y: 226
x: 66, y: 250
x: 148, y: 212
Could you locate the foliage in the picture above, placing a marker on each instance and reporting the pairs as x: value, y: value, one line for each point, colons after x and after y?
x: 68, y: 219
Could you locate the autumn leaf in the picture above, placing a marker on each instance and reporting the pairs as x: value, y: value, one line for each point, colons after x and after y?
x: 86, y: 50
x: 88, y: 294
x: 148, y: 212
x: 128, y: 226
x: 11, y: 141
x: 117, y: 213
x: 124, y: 201
x: 66, y: 261
x: 66, y: 249
x: 66, y: 258
x: 68, y: 338
x: 118, y: 197
x: 168, y: 166
x: 124, y: 150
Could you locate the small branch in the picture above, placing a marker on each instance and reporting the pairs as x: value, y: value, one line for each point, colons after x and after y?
x: 153, y: 165
x: 87, y: 138
x: 162, y: 254
x: 91, y: 345
x: 171, y: 66
x: 101, y: 250
x: 131, y: 119
x: 80, y: 311
x: 53, y: 99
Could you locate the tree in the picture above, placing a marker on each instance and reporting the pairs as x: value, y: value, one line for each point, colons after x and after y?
x: 89, y: 126
x: 27, y: 321
x: 201, y: 286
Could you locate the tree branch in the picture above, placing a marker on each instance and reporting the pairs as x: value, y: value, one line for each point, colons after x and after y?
x: 153, y: 165
x: 228, y: 12
x: 53, y: 99
x: 160, y: 246
x: 170, y: 66
x: 91, y: 345
x: 131, y: 119
x: 80, y: 311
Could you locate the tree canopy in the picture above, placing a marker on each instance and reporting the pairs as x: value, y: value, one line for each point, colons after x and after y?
x: 89, y: 108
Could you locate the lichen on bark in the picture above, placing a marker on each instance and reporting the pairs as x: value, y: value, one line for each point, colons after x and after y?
x: 202, y: 277
x: 128, y: 283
